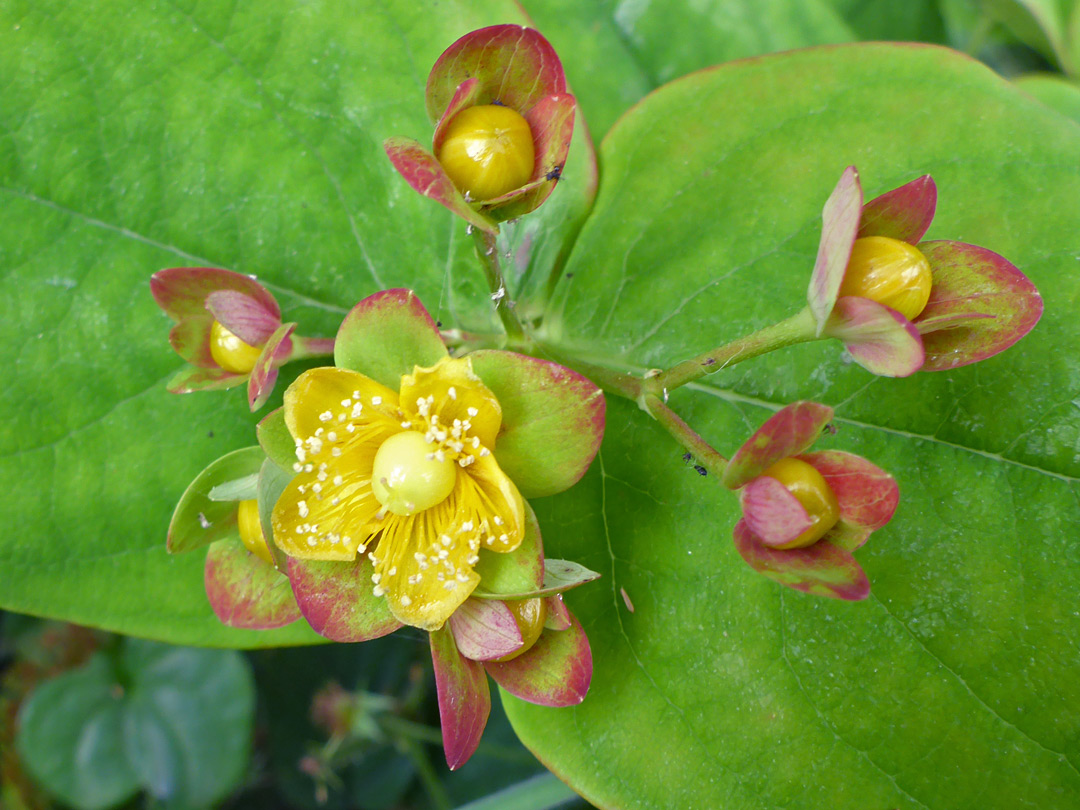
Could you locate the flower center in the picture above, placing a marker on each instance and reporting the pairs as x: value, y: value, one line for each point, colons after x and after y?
x: 529, y: 615
x: 230, y: 352
x: 813, y: 492
x: 890, y: 272
x: 408, y: 477
x: 488, y: 151
x: 251, y: 531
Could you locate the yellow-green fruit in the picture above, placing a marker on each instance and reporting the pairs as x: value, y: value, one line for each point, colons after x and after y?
x: 411, y: 474
x: 890, y: 272
x: 529, y: 614
x: 487, y: 151
x: 813, y: 492
x: 251, y: 532
x: 230, y: 352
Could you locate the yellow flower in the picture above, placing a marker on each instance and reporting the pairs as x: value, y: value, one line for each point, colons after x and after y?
x: 408, y: 478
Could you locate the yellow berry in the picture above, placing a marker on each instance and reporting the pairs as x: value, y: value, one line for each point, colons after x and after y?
x: 529, y: 615
x: 251, y: 531
x: 488, y: 151
x: 230, y: 352
x: 890, y: 272
x: 813, y: 492
x: 411, y: 474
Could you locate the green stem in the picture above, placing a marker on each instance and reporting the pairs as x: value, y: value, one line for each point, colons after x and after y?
x: 685, y: 435
x: 624, y: 385
x: 488, y: 254
x: 304, y: 347
x: 796, y: 329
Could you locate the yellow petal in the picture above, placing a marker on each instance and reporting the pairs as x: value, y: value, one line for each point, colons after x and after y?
x: 328, y: 512
x: 329, y: 399
x: 456, y: 392
x: 422, y: 563
x: 501, y: 502
x: 339, y: 419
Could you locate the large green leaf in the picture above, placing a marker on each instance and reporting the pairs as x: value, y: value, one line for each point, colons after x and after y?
x: 953, y: 684
x: 1053, y: 91
x: 241, y: 135
x: 615, y: 51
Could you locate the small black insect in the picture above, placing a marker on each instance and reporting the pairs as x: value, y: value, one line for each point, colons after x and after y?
x: 497, y: 103
x: 555, y: 173
x: 438, y: 324
x: 700, y: 470
x: 686, y: 457
x: 709, y: 362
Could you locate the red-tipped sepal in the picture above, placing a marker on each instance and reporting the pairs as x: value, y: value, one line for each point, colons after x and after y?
x: 772, y: 513
x: 867, y: 495
x: 879, y: 338
x: 787, y: 432
x: 337, y: 599
x: 905, y: 213
x: 555, y: 672
x: 189, y: 380
x: 840, y: 224
x: 387, y: 335
x: 980, y: 305
x: 485, y: 629
x: 425, y: 174
x: 823, y: 569
x: 182, y: 292
x: 265, y: 372
x: 464, y: 698
x: 244, y: 591
x: 549, y: 412
x: 513, y: 65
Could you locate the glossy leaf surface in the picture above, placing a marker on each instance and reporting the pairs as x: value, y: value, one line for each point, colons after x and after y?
x: 970, y: 580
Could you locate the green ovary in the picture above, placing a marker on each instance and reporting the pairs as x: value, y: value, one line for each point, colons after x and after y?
x: 409, y: 475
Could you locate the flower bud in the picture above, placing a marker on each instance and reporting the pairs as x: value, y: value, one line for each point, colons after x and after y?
x: 888, y: 271
x: 813, y: 492
x: 230, y: 352
x: 251, y: 531
x: 488, y: 151
x: 529, y: 614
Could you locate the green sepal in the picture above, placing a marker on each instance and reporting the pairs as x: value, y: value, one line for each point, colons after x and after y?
x: 553, y: 420
x: 386, y: 335
x: 559, y: 576
x: 275, y: 439
x: 272, y: 482
x: 520, y: 570
x: 240, y: 489
x: 198, y: 520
